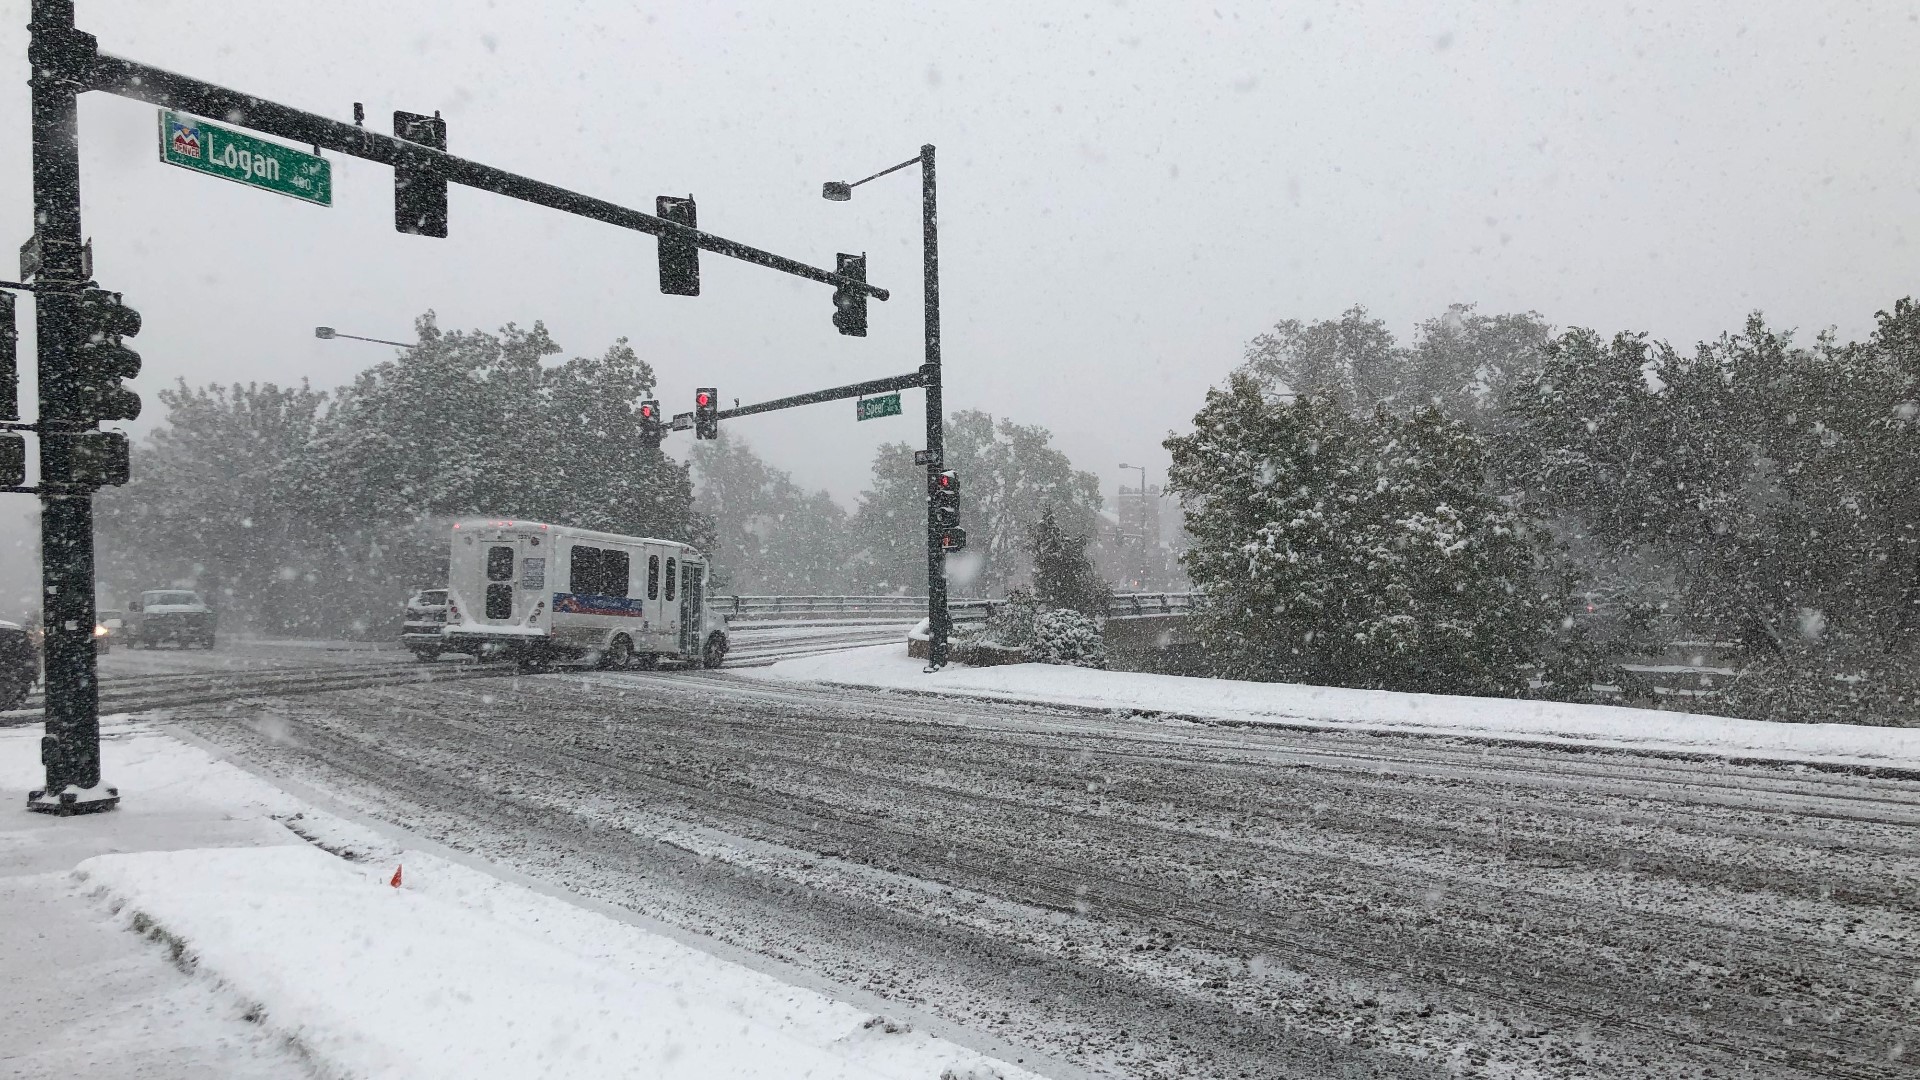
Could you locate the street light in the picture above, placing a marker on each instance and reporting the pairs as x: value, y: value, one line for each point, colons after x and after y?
x: 1141, y: 583
x: 328, y: 333
x: 939, y: 625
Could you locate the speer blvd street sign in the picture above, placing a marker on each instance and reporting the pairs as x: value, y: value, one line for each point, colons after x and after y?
x: 875, y: 407
x: 193, y: 143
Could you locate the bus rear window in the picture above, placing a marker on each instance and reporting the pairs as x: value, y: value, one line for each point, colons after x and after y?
x: 500, y: 563
x: 672, y: 573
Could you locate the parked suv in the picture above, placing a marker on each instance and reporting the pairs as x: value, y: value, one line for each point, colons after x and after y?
x: 176, y: 615
x: 426, y: 618
x: 19, y: 664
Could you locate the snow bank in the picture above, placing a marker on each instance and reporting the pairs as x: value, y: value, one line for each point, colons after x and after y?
x: 379, y: 981
x: 456, y: 973
x: 1230, y: 701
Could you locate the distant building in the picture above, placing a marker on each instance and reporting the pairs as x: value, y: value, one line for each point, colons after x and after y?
x: 1138, y: 557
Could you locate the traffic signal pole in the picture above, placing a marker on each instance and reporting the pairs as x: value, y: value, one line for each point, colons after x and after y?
x: 939, y: 622
x: 70, y: 750
x: 142, y: 82
x: 76, y: 458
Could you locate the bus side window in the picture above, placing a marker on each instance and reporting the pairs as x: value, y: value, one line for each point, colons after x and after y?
x: 670, y: 578
x: 613, y: 573
x: 583, y: 570
x: 653, y: 577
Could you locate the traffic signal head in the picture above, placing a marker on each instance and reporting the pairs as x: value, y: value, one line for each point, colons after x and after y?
x: 9, y: 361
x: 99, y: 359
x: 679, y: 259
x: 420, y: 195
x: 850, y: 304
x: 13, y: 459
x: 706, y: 413
x: 652, y: 427
x: 92, y: 459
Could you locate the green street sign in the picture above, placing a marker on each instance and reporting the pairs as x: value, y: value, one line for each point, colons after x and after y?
x: 872, y: 408
x: 195, y: 144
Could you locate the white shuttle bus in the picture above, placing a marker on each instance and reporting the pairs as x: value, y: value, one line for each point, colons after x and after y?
x: 548, y: 593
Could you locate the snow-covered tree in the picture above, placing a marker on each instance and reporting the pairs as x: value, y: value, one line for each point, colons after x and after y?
x: 1008, y: 473
x: 1356, y: 550
x: 219, y: 500
x: 770, y: 536
x: 1065, y: 636
x: 1771, y: 481
x: 1351, y: 361
x: 306, y: 513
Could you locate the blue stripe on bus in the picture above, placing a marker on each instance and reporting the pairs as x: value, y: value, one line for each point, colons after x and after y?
x: 595, y: 604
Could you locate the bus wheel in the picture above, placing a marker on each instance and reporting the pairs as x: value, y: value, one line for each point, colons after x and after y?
x: 619, y: 654
x: 715, y: 653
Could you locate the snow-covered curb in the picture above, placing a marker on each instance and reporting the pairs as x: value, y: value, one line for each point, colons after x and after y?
x: 1229, y: 701
x: 464, y: 978
x: 456, y: 972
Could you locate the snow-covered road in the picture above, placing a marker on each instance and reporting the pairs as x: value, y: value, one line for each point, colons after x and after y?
x: 1159, y: 898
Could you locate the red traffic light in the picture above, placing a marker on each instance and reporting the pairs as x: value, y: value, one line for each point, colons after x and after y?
x: 946, y: 480
x: 706, y: 412
x: 646, y: 411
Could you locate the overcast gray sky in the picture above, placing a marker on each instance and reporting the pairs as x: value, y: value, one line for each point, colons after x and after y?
x: 1129, y: 191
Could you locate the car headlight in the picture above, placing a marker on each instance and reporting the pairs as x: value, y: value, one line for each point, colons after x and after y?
x: 99, y: 630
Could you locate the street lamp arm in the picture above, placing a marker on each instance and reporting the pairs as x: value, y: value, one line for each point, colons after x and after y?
x: 332, y: 333
x: 915, y: 160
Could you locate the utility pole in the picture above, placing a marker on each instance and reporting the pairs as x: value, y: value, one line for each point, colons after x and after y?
x: 1140, y: 523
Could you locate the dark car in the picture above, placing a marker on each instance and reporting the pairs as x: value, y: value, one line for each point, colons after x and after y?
x: 426, y: 618
x: 176, y: 615
x: 19, y: 664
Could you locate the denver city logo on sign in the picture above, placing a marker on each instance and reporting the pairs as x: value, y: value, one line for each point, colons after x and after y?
x: 209, y: 148
x: 184, y: 138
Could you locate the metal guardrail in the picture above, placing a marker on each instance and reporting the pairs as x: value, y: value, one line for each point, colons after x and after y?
x: 749, y: 609
x: 762, y: 608
x: 1133, y: 605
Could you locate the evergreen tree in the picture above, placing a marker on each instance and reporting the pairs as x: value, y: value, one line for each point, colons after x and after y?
x: 1063, y: 576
